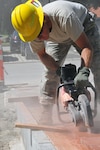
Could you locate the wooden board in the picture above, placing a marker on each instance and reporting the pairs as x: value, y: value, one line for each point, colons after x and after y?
x: 40, y: 127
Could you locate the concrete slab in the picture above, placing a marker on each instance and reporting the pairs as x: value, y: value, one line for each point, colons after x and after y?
x: 17, y: 145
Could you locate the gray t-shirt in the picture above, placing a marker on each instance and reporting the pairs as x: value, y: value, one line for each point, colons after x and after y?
x: 67, y: 19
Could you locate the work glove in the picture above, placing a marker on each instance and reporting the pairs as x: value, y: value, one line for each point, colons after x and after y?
x: 81, y: 78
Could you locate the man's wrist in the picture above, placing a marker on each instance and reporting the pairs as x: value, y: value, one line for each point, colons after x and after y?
x: 58, y: 71
x: 85, y: 69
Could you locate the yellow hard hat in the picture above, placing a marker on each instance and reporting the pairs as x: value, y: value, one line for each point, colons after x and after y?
x: 27, y: 19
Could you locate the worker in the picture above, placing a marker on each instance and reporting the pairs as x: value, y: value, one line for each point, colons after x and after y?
x: 51, y: 31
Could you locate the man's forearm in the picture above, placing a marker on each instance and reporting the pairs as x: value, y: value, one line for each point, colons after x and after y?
x: 87, y: 50
x: 86, y: 57
x: 49, y: 62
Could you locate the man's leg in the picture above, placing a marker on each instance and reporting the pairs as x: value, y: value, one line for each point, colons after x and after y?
x: 50, y: 80
x: 94, y: 38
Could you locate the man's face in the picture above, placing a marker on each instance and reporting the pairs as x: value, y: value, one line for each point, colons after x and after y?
x: 44, y: 33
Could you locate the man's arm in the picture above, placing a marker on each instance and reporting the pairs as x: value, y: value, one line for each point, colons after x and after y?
x: 86, y: 54
x: 87, y: 51
x: 47, y: 60
x: 81, y: 79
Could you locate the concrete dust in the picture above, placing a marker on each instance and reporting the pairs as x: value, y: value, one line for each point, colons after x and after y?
x: 9, y: 135
x: 97, y: 120
x: 71, y: 139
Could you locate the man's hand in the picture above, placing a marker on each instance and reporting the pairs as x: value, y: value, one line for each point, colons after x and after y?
x: 81, y: 79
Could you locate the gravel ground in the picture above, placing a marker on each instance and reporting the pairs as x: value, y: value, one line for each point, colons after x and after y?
x: 10, y: 138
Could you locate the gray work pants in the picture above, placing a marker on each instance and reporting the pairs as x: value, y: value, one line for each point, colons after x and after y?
x: 59, y: 51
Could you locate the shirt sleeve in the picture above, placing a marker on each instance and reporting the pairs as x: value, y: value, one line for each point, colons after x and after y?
x: 74, y: 26
x: 37, y: 45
